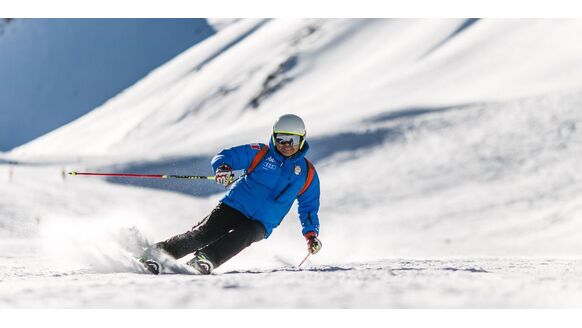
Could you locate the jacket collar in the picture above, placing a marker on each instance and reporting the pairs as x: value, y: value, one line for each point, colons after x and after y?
x: 294, y: 158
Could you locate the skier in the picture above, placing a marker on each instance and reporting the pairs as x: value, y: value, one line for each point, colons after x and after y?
x: 255, y: 204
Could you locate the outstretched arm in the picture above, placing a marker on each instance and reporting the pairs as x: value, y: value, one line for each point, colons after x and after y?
x: 237, y: 158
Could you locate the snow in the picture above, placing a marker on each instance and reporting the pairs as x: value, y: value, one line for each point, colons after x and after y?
x: 458, y: 71
x: 448, y: 152
x: 219, y: 24
x: 396, y: 283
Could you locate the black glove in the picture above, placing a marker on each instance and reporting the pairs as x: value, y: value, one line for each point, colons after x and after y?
x: 313, y: 244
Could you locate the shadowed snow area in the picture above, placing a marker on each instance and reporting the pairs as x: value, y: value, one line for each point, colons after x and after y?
x: 448, y: 152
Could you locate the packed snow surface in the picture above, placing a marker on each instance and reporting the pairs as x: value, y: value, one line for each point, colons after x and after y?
x: 395, y: 283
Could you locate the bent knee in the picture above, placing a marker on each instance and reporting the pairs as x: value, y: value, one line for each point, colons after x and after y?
x: 256, y: 229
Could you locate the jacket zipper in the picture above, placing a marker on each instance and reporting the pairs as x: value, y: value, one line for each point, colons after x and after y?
x: 283, y: 191
x: 286, y: 187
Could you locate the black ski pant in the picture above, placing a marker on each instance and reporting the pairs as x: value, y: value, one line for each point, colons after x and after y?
x: 220, y: 236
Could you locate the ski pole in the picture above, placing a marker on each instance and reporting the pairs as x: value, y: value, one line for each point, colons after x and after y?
x: 305, y: 259
x: 148, y: 176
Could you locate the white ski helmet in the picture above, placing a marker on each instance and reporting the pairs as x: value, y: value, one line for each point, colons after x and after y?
x: 290, y: 124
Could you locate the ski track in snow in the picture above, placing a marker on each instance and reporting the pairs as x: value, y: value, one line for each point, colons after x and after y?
x: 393, y: 283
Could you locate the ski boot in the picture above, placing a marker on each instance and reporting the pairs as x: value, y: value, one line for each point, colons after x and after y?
x: 148, y: 259
x: 152, y: 266
x: 201, y: 263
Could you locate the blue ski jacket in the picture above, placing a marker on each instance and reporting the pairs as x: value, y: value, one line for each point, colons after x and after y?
x: 267, y: 194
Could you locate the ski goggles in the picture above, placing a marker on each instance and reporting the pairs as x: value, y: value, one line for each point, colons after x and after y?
x: 291, y: 139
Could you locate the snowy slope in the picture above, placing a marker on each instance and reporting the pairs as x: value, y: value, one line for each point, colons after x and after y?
x: 448, y: 109
x: 52, y: 71
x: 448, y: 152
x: 310, y: 67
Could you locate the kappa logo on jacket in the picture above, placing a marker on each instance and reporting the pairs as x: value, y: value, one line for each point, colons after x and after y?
x: 271, y: 159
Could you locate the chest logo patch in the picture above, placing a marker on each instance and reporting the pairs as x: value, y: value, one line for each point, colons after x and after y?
x: 297, y: 169
x: 269, y: 166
